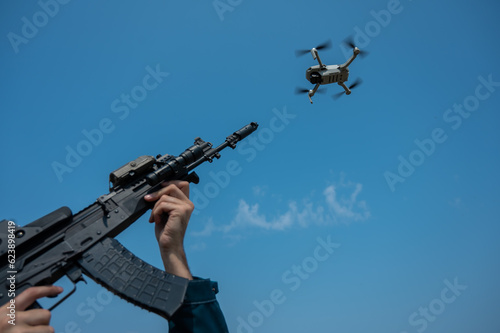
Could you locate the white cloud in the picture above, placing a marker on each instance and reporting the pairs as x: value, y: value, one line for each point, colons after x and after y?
x: 198, y: 246
x: 259, y: 190
x: 337, y: 204
x: 346, y: 210
x: 207, y: 231
x: 249, y: 216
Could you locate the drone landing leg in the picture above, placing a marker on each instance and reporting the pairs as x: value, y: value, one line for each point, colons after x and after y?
x: 312, y: 92
x: 347, y: 91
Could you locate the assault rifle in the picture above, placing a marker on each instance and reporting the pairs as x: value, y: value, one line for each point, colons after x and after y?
x: 61, y: 243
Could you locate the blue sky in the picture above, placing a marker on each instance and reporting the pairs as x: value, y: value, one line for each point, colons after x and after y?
x: 376, y: 212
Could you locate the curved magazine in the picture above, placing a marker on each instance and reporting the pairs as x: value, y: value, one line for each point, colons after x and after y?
x: 110, y: 264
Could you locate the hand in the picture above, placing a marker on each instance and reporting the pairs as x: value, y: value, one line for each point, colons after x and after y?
x: 31, y: 321
x: 171, y: 214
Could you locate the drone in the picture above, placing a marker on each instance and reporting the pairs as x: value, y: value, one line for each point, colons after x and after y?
x: 322, y: 74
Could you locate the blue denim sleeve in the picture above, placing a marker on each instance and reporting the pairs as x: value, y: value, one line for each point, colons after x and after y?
x: 200, y: 311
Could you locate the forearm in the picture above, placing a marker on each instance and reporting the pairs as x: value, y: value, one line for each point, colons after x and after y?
x: 175, y: 263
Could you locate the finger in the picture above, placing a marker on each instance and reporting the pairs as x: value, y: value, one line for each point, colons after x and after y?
x: 171, y: 189
x: 161, y: 210
x: 168, y: 206
x: 181, y: 184
x: 34, y: 317
x: 30, y: 295
x: 178, y: 189
x: 39, y: 329
x: 164, y: 207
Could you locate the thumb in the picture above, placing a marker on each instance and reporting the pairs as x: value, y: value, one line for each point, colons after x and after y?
x: 150, y: 197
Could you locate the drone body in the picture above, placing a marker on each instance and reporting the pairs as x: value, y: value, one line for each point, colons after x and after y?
x: 328, y: 74
x: 322, y: 74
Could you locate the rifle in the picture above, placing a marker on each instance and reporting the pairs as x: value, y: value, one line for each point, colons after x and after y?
x: 60, y: 243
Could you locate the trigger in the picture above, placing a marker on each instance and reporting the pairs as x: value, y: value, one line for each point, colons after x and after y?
x: 75, y: 275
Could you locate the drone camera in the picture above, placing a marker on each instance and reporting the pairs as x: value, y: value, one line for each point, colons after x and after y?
x: 315, y: 78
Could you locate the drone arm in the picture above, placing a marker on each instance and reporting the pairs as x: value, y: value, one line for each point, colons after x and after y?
x: 315, y: 55
x: 351, y: 59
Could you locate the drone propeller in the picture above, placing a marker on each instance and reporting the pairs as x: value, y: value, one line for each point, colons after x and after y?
x: 337, y: 95
x: 353, y: 85
x: 299, y: 53
x: 350, y: 42
x: 299, y: 91
x: 325, y: 45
